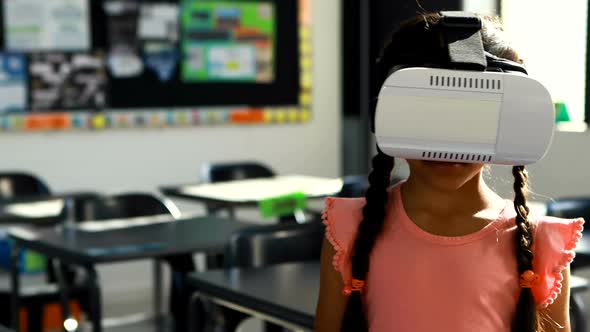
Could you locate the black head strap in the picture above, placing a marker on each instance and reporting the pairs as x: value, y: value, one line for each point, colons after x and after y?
x: 461, y: 32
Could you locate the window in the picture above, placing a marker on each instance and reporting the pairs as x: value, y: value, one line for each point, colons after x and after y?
x: 551, y: 39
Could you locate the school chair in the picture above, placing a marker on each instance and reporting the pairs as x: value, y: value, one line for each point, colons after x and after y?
x: 20, y: 184
x: 356, y: 185
x: 143, y: 204
x: 36, y: 298
x: 261, y: 246
x: 5, y: 329
x: 574, y: 207
x: 125, y: 205
x: 231, y: 171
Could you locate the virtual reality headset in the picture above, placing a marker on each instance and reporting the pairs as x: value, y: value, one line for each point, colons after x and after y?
x: 482, y: 109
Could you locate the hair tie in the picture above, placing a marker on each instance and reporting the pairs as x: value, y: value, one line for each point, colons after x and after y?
x: 357, y: 286
x: 528, y: 278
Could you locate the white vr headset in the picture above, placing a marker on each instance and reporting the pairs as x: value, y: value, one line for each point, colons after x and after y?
x: 492, y: 113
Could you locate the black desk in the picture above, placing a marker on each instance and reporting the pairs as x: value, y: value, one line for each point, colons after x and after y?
x: 204, y: 234
x: 284, y: 294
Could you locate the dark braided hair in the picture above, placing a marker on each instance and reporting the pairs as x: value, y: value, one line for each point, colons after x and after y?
x: 526, y: 312
x: 373, y: 219
x: 417, y: 42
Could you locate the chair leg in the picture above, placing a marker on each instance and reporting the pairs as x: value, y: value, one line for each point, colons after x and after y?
x: 270, y: 327
x: 578, y: 313
x: 35, y: 317
x: 157, y: 270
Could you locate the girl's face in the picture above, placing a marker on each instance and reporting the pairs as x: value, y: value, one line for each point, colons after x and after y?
x: 443, y: 175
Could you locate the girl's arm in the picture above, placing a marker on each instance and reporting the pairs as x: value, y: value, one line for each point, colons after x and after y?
x: 331, y: 302
x: 558, y: 312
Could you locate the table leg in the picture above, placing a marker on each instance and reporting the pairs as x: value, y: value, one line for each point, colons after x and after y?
x: 15, y: 286
x: 231, y: 212
x: 578, y: 313
x: 193, y: 313
x: 95, y: 299
x: 157, y: 266
x: 60, y: 271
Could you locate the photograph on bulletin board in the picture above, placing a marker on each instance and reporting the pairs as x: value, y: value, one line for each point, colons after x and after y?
x: 99, y: 64
x: 228, y: 41
x: 34, y: 25
x: 13, y: 83
x: 60, y: 81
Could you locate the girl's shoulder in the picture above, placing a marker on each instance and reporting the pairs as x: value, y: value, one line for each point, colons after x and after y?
x: 554, y: 244
x: 342, y: 217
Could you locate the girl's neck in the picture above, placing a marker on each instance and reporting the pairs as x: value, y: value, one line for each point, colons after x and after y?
x: 468, y: 199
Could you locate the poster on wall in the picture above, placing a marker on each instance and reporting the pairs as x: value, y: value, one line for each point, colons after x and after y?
x: 13, y: 83
x: 67, y: 81
x: 158, y: 33
x: 33, y: 25
x: 123, y: 43
x: 228, y: 41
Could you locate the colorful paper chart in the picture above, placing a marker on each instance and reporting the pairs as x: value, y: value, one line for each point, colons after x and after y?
x: 86, y: 114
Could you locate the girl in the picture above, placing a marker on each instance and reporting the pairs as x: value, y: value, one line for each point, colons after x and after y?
x: 441, y: 251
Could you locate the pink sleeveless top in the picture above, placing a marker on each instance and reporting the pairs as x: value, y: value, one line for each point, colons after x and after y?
x: 419, y: 281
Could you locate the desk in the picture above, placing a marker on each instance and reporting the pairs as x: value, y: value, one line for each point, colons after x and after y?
x: 252, y: 191
x: 284, y: 294
x: 86, y: 249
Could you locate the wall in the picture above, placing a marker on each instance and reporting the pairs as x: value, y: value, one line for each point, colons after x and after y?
x: 145, y: 159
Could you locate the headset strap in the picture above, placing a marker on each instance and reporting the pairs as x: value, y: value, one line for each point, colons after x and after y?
x: 461, y: 33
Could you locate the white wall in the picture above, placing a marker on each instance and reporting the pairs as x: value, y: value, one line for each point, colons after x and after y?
x: 145, y: 159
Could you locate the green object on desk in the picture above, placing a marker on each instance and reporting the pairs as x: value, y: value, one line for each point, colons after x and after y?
x: 283, y: 205
x: 561, y: 113
x: 33, y: 262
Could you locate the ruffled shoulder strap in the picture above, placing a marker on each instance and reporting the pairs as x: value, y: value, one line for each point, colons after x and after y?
x: 342, y: 217
x: 555, y: 240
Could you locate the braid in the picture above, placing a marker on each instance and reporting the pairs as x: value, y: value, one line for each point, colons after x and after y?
x: 526, y: 319
x: 354, y: 319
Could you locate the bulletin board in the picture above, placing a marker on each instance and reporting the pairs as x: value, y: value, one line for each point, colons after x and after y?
x: 107, y: 64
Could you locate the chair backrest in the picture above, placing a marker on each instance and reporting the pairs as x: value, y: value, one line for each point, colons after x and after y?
x: 125, y: 205
x: 17, y: 184
x: 572, y: 207
x: 266, y: 245
x: 218, y: 172
x: 354, y: 186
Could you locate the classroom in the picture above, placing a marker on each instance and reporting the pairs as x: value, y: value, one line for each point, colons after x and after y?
x: 293, y: 165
